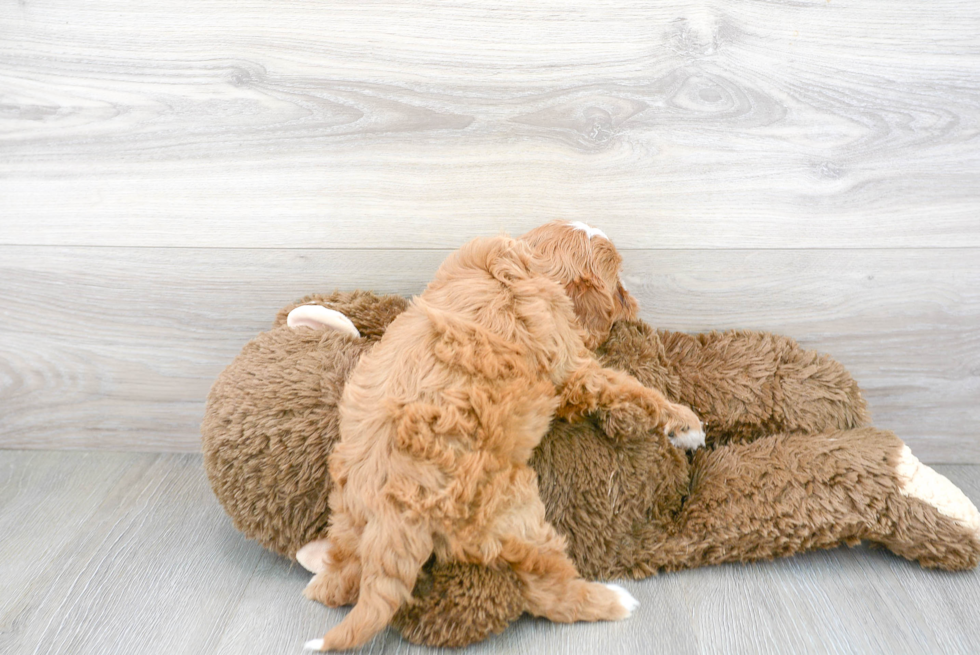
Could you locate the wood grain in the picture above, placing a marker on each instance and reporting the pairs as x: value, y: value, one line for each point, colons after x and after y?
x: 124, y: 552
x: 117, y: 347
x: 68, y: 490
x: 146, y: 568
x: 292, y: 124
x: 170, y: 175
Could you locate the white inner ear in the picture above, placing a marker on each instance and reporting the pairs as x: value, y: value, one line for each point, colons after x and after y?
x: 319, y: 317
x: 588, y: 229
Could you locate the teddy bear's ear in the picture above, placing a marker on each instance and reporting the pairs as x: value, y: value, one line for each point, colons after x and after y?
x: 319, y: 317
x: 593, y: 308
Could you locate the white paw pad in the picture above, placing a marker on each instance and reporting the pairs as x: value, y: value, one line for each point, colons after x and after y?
x: 920, y: 481
x: 319, y: 317
x: 314, y: 556
x: 625, y: 598
x: 690, y: 440
x: 313, y: 644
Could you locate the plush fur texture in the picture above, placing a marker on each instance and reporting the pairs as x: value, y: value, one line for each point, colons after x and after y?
x: 461, y: 602
x: 272, y: 421
x: 791, y: 465
x: 439, y: 419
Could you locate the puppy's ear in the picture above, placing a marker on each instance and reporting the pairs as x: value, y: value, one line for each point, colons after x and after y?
x: 626, y: 304
x: 594, y: 308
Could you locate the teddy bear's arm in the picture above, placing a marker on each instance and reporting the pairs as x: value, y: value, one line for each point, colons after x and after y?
x: 746, y: 385
x: 743, y: 384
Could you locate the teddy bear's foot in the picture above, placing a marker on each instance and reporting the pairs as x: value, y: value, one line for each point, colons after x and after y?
x: 315, y: 555
x: 931, y: 520
x: 919, y: 481
x: 319, y: 317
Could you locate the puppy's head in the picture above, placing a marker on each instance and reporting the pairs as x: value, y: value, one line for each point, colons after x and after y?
x: 584, y: 261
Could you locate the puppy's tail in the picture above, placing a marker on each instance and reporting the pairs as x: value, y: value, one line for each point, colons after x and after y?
x: 392, y: 553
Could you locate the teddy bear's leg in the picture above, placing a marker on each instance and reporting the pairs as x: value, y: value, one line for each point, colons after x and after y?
x: 745, y: 385
x: 929, y: 518
x: 784, y: 494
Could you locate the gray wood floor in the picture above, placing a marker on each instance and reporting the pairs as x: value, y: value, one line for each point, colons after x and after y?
x: 130, y: 553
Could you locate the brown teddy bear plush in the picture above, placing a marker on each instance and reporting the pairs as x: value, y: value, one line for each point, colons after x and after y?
x: 790, y: 463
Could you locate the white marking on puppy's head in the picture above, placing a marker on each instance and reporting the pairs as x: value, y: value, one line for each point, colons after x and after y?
x: 588, y: 229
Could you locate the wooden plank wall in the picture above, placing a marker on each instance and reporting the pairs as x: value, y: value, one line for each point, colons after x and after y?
x: 171, y: 174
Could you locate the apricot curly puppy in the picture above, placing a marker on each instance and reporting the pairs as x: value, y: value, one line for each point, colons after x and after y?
x: 438, y: 421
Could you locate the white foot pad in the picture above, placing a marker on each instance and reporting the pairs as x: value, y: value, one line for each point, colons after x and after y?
x: 319, y: 317
x: 313, y: 644
x: 625, y: 598
x: 314, y: 556
x: 920, y: 481
x: 690, y: 440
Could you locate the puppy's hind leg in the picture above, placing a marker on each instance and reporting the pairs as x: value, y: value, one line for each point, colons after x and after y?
x: 553, y: 587
x: 338, y: 577
x: 392, y: 553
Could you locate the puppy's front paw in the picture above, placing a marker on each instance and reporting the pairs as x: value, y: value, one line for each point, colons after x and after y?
x: 683, y: 427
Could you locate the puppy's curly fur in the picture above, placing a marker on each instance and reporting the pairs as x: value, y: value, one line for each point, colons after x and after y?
x: 438, y: 422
